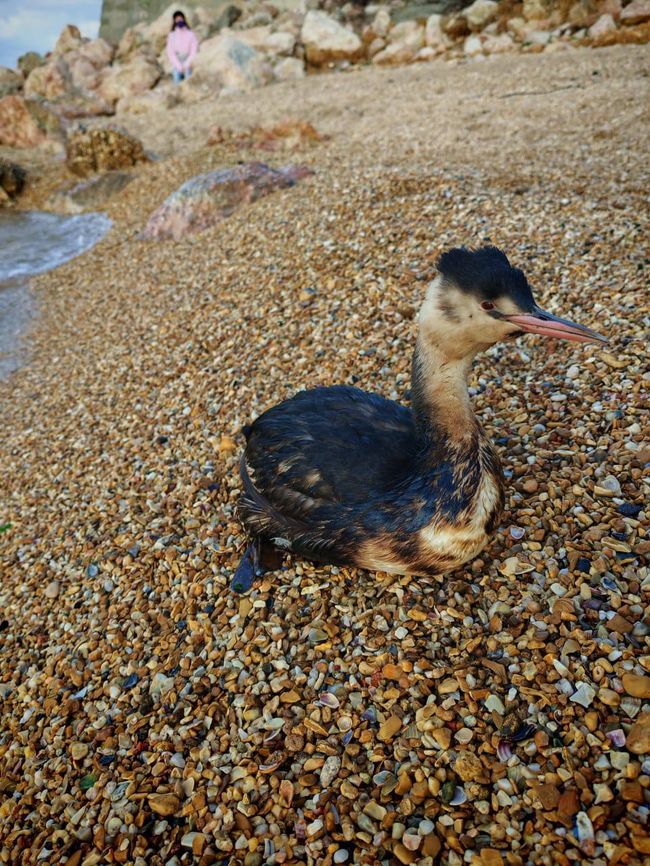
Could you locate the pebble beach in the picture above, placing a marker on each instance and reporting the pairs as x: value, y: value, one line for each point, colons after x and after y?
x: 499, y: 715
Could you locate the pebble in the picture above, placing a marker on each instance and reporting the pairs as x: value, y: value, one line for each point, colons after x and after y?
x: 52, y: 589
x: 636, y: 685
x: 638, y: 737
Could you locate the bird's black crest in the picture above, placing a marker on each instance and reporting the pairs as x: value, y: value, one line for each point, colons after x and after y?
x: 487, y: 273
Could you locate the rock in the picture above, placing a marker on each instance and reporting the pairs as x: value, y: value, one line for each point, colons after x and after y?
x: 405, y: 40
x: 381, y: 24
x: 330, y: 771
x: 164, y: 804
x: 583, y: 695
x: 280, y: 43
x: 638, y: 738
x: 226, y: 62
x: 583, y: 13
x: 480, y: 13
x: 326, y: 40
x: 69, y: 39
x: 534, y: 10
x: 49, y: 81
x: 455, y: 26
x: 52, y: 589
x: 548, y: 795
x: 473, y: 46
x: 17, y: 126
x: 636, y: 685
x: 469, y: 767
x: 538, y: 37
x: 137, y: 76
x: 93, y: 150
x: 389, y: 728
x: 86, y: 64
x: 499, y: 44
x: 10, y: 81
x: 289, y: 69
x: 636, y: 13
x: 29, y: 61
x: 12, y: 179
x: 78, y: 750
x: 434, y: 36
x: 89, y: 195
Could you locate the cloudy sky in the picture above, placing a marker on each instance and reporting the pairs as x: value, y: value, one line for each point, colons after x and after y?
x: 34, y: 25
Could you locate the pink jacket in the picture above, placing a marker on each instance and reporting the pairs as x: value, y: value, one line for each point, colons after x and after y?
x: 182, y: 46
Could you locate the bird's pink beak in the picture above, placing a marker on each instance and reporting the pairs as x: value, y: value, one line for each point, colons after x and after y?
x: 541, y: 322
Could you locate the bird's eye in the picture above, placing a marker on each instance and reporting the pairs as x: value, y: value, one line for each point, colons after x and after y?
x: 487, y: 305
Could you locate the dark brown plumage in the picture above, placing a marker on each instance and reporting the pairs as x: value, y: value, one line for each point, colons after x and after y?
x: 342, y: 476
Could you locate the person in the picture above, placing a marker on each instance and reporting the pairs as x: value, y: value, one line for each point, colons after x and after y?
x: 182, y: 46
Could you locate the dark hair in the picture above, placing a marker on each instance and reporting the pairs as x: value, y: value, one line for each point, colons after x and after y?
x: 178, y: 14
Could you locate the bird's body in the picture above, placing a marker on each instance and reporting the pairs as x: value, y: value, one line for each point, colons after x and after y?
x: 342, y: 476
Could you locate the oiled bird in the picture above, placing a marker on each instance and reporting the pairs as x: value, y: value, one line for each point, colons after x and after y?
x: 342, y: 476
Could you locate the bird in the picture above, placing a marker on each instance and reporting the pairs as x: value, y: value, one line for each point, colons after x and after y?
x: 341, y: 476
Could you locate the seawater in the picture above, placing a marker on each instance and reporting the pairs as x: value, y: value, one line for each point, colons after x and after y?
x: 32, y: 242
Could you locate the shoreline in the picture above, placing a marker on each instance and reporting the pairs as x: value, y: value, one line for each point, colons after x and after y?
x: 128, y: 662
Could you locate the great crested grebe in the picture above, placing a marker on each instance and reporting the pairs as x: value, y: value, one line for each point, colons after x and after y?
x: 341, y: 476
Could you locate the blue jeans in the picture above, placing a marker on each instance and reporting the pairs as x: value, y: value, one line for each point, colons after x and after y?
x: 180, y: 76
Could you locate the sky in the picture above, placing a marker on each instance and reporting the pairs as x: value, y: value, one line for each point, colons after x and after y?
x: 34, y: 25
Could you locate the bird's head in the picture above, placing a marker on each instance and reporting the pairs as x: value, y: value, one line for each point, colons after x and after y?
x: 478, y: 298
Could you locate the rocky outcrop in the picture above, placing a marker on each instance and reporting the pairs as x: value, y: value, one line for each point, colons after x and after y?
x: 325, y: 40
x: 97, y: 150
x: 208, y: 198
x: 638, y: 12
x: 228, y: 64
x: 49, y: 81
x: 128, y: 79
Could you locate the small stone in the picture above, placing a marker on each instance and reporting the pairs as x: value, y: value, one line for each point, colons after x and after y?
x: 609, y: 697
x: 52, y: 589
x: 530, y: 485
x: 389, y: 728
x: 375, y: 810
x: 411, y: 840
x: 638, y: 738
x: 164, y: 804
x: 403, y: 854
x: 442, y: 736
x: 330, y: 770
x: 620, y: 625
x: 569, y: 804
x: 636, y: 685
x: 469, y: 767
x: 491, y: 857
x: 78, y: 751
x: 463, y: 736
x: 493, y: 703
x: 583, y: 695
x: 548, y: 795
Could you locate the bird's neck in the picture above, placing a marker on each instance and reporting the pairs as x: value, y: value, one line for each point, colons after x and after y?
x: 439, y: 395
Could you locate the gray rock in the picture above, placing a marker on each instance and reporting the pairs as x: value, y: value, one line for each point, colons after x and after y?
x: 208, y: 198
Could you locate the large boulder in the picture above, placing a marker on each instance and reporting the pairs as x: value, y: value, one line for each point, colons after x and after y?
x: 480, y: 13
x: 50, y: 81
x: 29, y: 61
x: 604, y: 25
x: 95, y: 150
x: 69, y: 40
x: 208, y: 198
x: 87, y: 63
x: 326, y: 40
x: 10, y: 81
x: 18, y: 128
x: 226, y: 62
x: 637, y: 12
x: 121, y: 80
